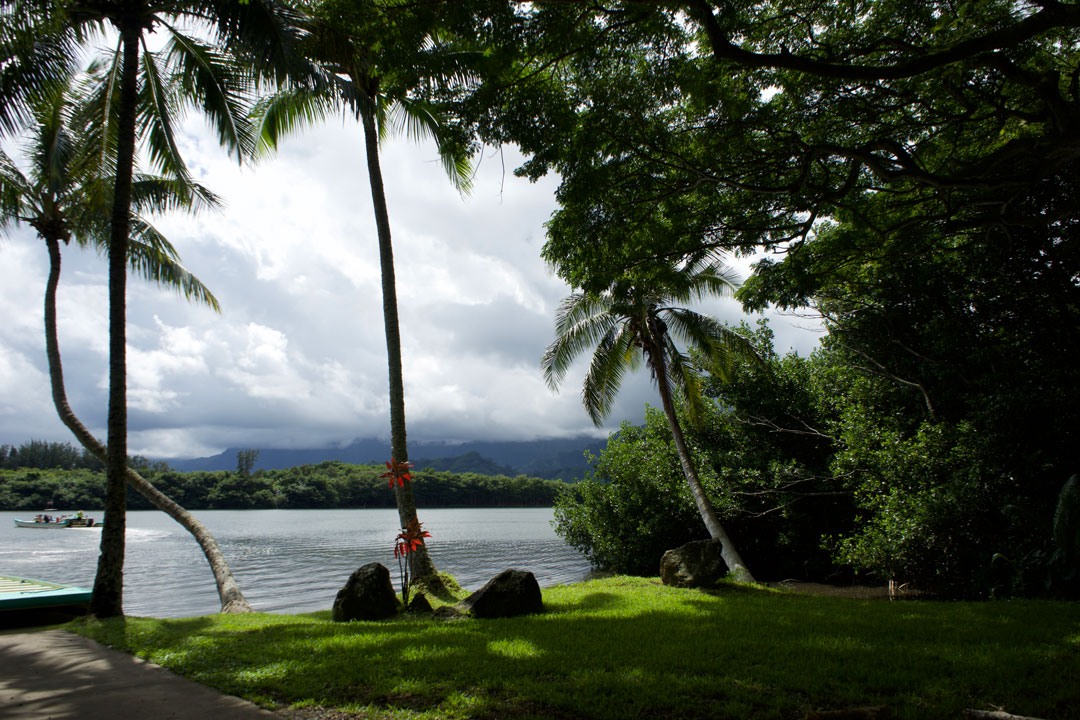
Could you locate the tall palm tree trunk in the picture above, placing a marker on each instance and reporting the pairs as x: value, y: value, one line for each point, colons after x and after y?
x: 108, y: 594
x: 422, y: 566
x: 705, y: 507
x: 232, y: 600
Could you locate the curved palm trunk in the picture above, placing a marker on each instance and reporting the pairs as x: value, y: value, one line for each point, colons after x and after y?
x: 422, y: 566
x: 232, y: 600
x: 705, y: 507
x: 108, y: 594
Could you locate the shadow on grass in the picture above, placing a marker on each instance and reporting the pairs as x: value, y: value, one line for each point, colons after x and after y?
x: 611, y: 651
x: 592, y: 601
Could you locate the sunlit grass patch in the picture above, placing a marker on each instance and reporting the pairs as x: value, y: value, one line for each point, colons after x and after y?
x: 630, y: 647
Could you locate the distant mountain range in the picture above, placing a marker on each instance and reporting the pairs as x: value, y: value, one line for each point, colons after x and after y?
x: 555, y: 459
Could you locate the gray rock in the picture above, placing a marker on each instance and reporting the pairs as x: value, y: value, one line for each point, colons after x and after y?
x: 368, y: 595
x: 448, y: 613
x: 695, y: 564
x: 419, y: 603
x: 510, y: 593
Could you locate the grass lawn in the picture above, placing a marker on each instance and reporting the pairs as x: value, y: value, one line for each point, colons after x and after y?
x: 631, y: 648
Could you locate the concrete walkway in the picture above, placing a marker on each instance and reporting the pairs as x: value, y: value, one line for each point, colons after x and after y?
x: 56, y: 675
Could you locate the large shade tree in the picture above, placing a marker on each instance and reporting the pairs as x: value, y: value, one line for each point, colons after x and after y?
x: 914, y: 165
x: 259, y: 34
x: 638, y: 318
x: 65, y: 195
x: 742, y: 125
x: 380, y: 62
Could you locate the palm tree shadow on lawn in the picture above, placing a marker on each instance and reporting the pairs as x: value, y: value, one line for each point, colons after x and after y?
x: 655, y: 651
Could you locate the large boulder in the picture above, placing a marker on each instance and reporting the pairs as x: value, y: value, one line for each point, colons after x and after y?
x: 368, y: 595
x: 510, y: 593
x: 695, y: 564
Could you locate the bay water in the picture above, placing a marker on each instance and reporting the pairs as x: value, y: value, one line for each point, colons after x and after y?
x: 286, y: 561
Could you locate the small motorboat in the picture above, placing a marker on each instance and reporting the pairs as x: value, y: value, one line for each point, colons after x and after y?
x: 51, y: 524
x: 46, y: 521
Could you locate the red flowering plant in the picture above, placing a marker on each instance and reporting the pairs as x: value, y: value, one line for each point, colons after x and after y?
x: 397, y: 471
x: 409, y: 539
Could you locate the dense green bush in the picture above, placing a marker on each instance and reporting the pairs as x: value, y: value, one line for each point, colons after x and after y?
x: 635, y: 506
x: 824, y: 472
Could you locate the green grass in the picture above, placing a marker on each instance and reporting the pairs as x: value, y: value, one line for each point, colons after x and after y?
x: 631, y: 648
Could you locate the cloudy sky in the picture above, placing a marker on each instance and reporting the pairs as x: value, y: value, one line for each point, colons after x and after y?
x: 298, y: 358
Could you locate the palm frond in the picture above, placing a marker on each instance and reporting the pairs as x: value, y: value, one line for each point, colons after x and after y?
x: 420, y: 120
x: 686, y: 380
x: 38, y: 45
x: 219, y: 86
x: 615, y: 355
x: 156, y: 194
x: 152, y: 257
x: 14, y: 187
x: 264, y: 35
x: 286, y: 113
x: 577, y: 307
x: 695, y: 283
x: 566, y: 347
x: 88, y: 210
x: 97, y: 113
x: 157, y: 111
x: 700, y: 259
x: 52, y: 148
x: 572, y: 338
x: 720, y: 345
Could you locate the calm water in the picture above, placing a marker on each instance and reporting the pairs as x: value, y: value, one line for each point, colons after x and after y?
x: 286, y: 560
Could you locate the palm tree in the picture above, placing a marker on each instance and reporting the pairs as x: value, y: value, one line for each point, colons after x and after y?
x: 349, y: 40
x: 62, y: 199
x: 259, y: 31
x: 634, y: 319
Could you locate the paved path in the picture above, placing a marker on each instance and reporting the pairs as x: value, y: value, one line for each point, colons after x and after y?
x: 57, y: 675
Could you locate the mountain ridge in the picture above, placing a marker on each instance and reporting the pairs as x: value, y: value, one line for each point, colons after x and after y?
x: 553, y: 458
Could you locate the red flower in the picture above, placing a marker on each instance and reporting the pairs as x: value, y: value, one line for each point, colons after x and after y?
x: 397, y: 471
x: 410, y: 538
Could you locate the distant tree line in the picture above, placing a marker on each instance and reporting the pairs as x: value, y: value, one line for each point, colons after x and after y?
x: 47, y: 455
x: 330, y: 484
x: 44, y: 455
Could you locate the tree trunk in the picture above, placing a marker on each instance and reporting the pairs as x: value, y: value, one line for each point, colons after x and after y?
x: 108, y: 594
x: 422, y: 566
x: 232, y: 600
x: 705, y: 507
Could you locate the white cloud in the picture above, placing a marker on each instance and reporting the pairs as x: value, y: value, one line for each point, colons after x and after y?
x: 298, y: 355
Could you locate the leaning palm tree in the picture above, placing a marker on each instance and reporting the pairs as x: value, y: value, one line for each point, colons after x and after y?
x: 352, y: 41
x: 63, y: 197
x: 212, y: 80
x: 633, y: 320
